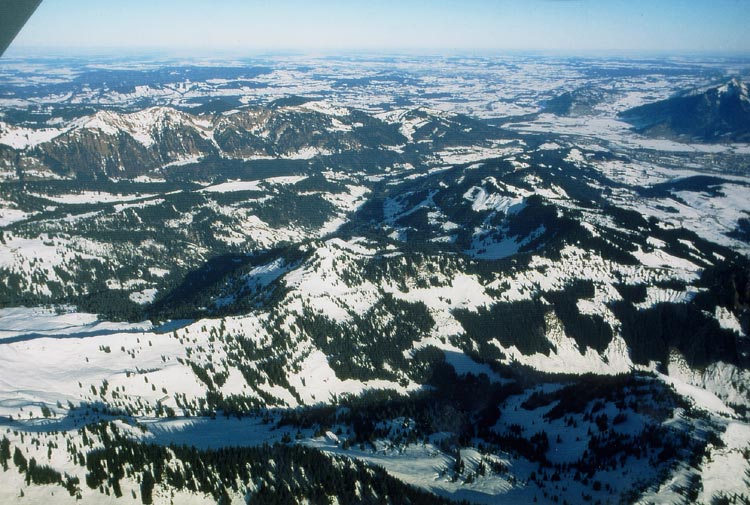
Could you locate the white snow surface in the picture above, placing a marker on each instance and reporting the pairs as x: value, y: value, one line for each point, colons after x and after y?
x: 483, y: 201
x: 239, y: 185
x: 93, y: 197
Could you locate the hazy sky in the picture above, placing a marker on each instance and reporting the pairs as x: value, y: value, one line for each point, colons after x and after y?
x: 561, y: 25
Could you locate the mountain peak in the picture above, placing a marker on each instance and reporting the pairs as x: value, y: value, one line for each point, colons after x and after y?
x: 717, y: 114
x: 734, y: 88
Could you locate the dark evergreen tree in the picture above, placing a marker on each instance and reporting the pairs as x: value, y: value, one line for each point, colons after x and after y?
x: 147, y: 488
x: 4, y: 452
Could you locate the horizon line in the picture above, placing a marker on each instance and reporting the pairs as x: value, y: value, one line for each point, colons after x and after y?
x: 20, y: 51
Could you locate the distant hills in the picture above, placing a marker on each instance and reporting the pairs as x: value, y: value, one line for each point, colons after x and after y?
x: 717, y: 114
x: 579, y: 102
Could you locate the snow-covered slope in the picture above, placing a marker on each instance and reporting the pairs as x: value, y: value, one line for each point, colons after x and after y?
x: 718, y: 114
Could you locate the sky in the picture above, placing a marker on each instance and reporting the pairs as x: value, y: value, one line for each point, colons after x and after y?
x: 636, y: 26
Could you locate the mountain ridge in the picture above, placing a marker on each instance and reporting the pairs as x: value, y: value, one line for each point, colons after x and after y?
x: 115, y: 144
x: 717, y: 114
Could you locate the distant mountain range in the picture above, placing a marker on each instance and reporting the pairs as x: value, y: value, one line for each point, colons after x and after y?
x: 717, y: 114
x: 123, y: 145
x: 117, y: 144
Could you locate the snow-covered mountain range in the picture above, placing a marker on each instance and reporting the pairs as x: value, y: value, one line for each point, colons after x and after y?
x: 407, y: 301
